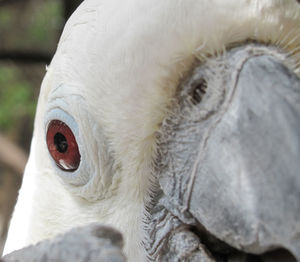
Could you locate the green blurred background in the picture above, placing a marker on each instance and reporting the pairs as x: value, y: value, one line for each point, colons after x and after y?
x: 29, y: 32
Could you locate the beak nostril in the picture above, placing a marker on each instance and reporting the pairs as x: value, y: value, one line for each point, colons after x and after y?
x: 198, y: 91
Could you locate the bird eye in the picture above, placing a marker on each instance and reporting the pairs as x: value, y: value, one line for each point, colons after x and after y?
x: 62, y: 146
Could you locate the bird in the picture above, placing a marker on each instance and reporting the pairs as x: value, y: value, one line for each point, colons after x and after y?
x: 107, y: 95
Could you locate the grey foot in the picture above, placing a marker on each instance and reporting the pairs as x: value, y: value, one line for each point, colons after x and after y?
x: 84, y: 244
x: 184, y: 246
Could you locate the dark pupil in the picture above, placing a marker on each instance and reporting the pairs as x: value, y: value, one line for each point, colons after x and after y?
x: 60, y: 142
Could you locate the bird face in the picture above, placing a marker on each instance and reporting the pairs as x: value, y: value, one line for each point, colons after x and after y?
x: 117, y: 77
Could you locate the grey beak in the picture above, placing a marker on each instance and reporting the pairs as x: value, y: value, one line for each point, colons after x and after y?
x: 229, y: 164
x: 248, y: 187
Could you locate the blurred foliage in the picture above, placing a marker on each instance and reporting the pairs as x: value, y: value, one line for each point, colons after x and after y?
x: 16, y: 97
x: 31, y: 24
x: 28, y: 25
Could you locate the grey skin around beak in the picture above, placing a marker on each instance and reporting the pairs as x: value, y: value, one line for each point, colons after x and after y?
x: 229, y: 164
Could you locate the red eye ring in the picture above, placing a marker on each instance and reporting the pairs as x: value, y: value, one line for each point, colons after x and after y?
x: 62, y: 146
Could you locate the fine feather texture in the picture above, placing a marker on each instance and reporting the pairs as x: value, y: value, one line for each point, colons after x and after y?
x: 115, y: 72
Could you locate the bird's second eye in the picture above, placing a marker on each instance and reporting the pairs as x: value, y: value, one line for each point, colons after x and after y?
x: 62, y: 146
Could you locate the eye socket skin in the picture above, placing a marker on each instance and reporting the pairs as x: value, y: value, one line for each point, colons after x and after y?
x: 62, y: 146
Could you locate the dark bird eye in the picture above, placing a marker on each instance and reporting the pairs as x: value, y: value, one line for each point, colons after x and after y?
x: 62, y: 146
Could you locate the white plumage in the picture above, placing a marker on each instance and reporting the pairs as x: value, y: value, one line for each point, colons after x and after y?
x: 115, y: 72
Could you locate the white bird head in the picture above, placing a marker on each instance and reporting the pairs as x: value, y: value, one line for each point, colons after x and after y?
x: 107, y: 91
